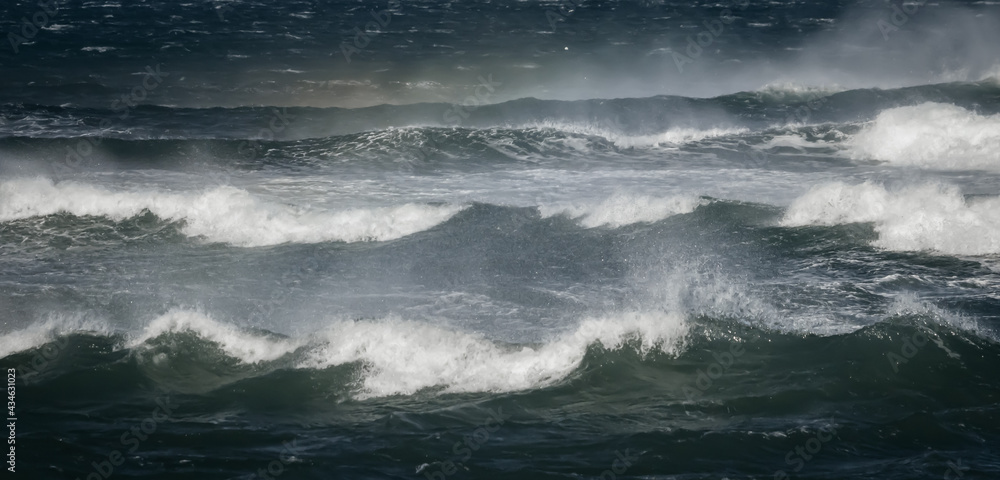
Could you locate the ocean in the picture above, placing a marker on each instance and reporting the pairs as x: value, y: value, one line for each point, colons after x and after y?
x: 500, y: 239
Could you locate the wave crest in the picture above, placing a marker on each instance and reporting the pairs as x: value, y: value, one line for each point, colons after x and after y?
x: 624, y: 209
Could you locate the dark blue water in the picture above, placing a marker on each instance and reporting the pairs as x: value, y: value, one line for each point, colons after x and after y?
x: 441, y: 240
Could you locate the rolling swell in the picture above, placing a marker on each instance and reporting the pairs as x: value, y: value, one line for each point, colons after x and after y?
x: 783, y: 127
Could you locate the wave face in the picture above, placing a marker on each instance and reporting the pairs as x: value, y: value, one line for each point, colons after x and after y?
x: 514, y: 239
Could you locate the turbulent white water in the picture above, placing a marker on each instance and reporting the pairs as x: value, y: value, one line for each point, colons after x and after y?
x: 931, y: 135
x: 926, y: 217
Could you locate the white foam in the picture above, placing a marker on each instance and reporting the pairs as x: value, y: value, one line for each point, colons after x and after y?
x: 931, y: 135
x: 404, y: 357
x: 925, y: 217
x: 625, y: 209
x: 237, y: 343
x: 224, y: 214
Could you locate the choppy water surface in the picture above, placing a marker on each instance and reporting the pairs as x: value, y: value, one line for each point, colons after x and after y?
x: 501, y: 240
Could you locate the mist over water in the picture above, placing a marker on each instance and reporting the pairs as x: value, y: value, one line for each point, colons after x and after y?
x: 508, y: 239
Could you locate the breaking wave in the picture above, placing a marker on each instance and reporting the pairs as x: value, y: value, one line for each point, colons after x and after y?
x: 931, y: 135
x: 396, y: 356
x: 927, y: 217
x: 223, y: 214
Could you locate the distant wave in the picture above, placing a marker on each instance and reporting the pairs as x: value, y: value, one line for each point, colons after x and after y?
x: 794, y: 92
x: 624, y: 209
x: 223, y: 214
x: 675, y: 136
x: 617, y: 134
x: 657, y: 121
